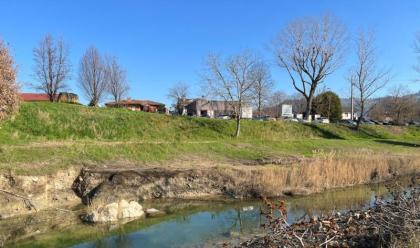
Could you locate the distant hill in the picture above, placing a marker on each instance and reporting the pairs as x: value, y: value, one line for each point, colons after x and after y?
x: 346, y: 102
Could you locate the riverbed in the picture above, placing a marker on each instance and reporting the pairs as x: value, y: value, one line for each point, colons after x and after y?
x: 187, y: 223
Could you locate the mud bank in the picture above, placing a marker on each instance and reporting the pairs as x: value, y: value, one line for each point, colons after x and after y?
x: 312, y: 176
x: 27, y: 194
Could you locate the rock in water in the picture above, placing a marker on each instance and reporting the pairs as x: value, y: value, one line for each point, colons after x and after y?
x: 131, y: 209
x: 115, y: 211
x: 153, y: 212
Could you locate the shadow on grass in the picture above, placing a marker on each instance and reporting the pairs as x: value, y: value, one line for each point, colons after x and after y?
x: 324, y: 133
x: 398, y: 143
x: 369, y: 133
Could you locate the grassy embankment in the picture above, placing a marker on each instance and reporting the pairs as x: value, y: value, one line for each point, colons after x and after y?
x: 46, y: 137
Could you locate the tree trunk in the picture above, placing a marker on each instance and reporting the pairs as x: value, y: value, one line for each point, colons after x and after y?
x: 362, y: 109
x: 308, y: 108
x: 238, y: 125
x: 93, y: 103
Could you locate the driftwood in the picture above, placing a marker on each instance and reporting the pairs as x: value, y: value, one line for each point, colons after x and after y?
x: 63, y: 210
x: 26, y: 200
x: 393, y: 220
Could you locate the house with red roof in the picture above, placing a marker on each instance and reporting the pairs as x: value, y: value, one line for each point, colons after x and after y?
x: 42, y: 97
x: 138, y: 105
x: 34, y: 97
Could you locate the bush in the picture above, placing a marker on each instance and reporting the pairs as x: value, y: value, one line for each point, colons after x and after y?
x: 66, y: 97
x: 328, y: 105
x: 9, y: 97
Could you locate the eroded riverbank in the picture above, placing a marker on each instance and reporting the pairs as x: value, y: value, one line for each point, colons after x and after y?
x: 187, y: 223
x: 64, y: 189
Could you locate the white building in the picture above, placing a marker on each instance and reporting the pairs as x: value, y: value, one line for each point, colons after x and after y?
x: 347, y: 116
x: 214, y: 108
x: 286, y: 111
x: 246, y: 112
x: 299, y: 116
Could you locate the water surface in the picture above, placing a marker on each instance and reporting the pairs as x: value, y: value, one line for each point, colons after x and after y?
x: 192, y: 223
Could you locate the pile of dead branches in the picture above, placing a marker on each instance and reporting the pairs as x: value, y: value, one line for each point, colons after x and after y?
x: 398, y: 216
x: 393, y: 220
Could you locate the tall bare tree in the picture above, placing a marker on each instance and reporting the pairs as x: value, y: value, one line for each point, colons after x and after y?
x: 366, y: 76
x: 52, y: 66
x: 9, y: 98
x: 263, y: 85
x: 178, y: 94
x: 232, y: 80
x: 92, y: 80
x: 310, y: 49
x: 115, y: 78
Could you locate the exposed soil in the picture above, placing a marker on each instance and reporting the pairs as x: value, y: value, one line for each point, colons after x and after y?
x: 269, y: 177
x: 238, y: 181
x: 28, y: 194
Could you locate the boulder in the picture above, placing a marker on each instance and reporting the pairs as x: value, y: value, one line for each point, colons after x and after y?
x: 153, y: 212
x: 115, y: 211
x: 130, y: 209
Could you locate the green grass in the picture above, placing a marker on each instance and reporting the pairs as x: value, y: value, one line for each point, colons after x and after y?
x: 44, y: 137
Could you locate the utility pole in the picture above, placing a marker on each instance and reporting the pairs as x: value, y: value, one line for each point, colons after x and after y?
x: 352, y: 101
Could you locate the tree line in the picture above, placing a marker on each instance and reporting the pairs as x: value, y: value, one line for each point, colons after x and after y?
x: 98, y: 75
x: 309, y: 50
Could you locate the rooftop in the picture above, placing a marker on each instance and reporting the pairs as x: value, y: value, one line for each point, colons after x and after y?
x: 29, y: 97
x: 134, y: 102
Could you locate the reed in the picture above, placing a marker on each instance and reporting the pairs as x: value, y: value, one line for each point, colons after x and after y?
x: 331, y: 170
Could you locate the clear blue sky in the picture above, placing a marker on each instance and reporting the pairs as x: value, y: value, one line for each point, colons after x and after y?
x: 162, y: 42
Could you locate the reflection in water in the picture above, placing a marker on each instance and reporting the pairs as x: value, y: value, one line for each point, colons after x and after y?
x: 235, y: 219
x: 195, y: 223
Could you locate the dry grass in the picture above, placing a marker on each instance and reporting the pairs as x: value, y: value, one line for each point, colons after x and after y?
x: 329, y: 170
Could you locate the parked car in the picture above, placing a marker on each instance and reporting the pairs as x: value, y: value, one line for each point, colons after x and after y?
x: 322, y: 120
x: 349, y: 123
x: 264, y: 118
x: 304, y: 120
x: 414, y: 123
x: 224, y: 117
x: 291, y: 119
x: 366, y: 121
x: 377, y: 122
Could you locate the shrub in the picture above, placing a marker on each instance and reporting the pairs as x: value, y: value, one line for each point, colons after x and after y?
x: 9, y: 97
x: 328, y: 105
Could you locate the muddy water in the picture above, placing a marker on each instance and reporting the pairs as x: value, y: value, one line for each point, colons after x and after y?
x: 203, y: 223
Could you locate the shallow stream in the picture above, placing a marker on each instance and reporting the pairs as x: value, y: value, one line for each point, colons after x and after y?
x: 187, y: 223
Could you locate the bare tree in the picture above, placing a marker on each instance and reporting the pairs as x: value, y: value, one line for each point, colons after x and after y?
x: 178, y: 94
x: 92, y: 76
x: 232, y: 80
x: 365, y: 76
x: 9, y: 98
x: 52, y: 66
x: 402, y: 105
x: 310, y: 49
x: 275, y: 100
x: 263, y: 85
x: 115, y: 78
